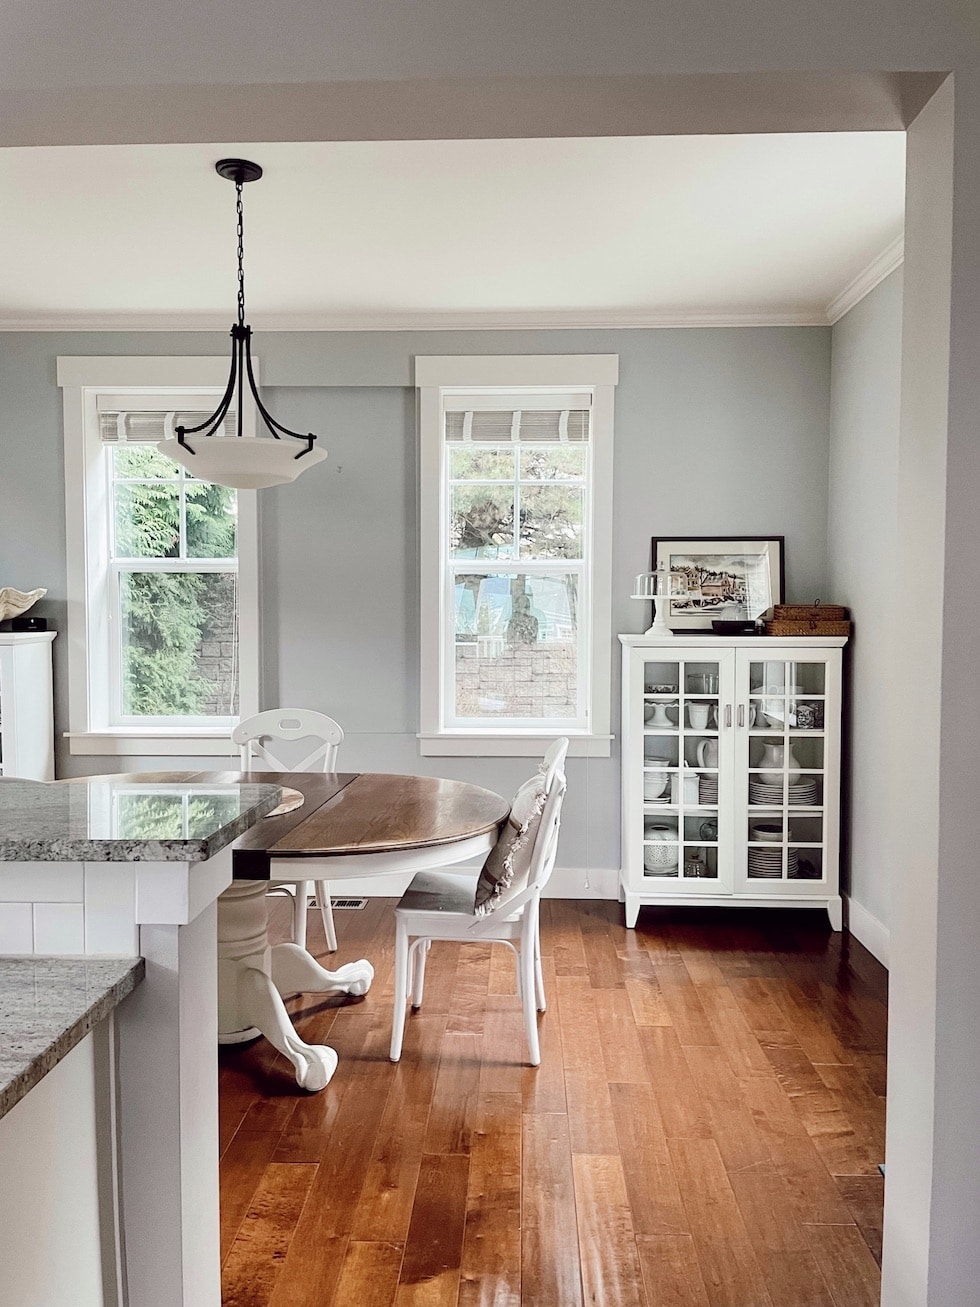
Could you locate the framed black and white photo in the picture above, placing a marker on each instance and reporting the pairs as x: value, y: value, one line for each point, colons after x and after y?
x: 722, y: 577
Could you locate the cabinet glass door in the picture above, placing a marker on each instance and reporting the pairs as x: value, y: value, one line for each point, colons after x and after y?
x: 783, y: 713
x: 684, y: 706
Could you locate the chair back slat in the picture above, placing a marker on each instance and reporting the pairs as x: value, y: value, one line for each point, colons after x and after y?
x: 253, y: 737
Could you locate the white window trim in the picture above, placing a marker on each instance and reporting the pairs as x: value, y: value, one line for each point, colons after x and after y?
x: 598, y: 372
x: 81, y: 379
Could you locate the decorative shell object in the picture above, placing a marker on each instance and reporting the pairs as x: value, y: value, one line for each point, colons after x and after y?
x: 14, y: 602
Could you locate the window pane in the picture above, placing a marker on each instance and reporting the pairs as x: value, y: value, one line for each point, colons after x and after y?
x: 476, y: 463
x: 552, y: 462
x: 142, y: 461
x: 212, y: 518
x: 482, y: 522
x: 551, y: 521
x: 179, y: 642
x: 147, y: 520
x: 517, y: 646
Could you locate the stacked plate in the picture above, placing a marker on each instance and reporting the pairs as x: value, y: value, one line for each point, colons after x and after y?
x: 801, y: 795
x: 707, y: 791
x: 767, y: 864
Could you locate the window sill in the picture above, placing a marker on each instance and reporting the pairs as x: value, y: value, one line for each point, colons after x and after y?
x: 148, y: 742
x: 468, y: 744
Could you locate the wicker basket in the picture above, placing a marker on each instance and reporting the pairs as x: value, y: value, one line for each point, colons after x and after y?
x: 821, y: 627
x: 809, y: 619
x: 817, y: 612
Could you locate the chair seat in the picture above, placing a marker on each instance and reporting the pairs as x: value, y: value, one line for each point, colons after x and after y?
x: 436, y: 891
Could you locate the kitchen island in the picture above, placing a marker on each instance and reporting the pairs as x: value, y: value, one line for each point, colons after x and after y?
x: 119, y: 1142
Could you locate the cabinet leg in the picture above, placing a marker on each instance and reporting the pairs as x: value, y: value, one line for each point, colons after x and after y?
x: 835, y: 911
x: 632, y: 904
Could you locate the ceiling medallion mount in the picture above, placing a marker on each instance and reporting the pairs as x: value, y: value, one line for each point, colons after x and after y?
x: 244, y: 462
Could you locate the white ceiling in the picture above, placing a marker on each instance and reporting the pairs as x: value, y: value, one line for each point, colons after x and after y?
x: 575, y: 231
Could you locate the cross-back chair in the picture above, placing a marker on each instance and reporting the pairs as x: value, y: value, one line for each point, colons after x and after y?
x: 442, y: 905
x: 255, y: 737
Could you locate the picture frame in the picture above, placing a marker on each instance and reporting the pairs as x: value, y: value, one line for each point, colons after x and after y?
x: 728, y: 577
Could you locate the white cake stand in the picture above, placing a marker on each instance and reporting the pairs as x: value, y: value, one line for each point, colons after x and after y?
x: 656, y: 588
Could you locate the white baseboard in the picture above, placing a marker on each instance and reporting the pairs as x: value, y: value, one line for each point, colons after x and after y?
x: 866, y: 928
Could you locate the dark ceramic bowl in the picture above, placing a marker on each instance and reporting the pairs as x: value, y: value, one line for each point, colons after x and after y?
x: 723, y: 627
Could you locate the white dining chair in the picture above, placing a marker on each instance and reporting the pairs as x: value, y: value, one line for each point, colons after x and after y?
x: 443, y: 905
x: 255, y: 737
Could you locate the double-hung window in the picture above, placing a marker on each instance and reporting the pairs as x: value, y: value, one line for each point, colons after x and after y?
x: 161, y: 566
x: 516, y: 464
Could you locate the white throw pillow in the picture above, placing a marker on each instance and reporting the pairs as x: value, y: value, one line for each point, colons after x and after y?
x: 505, y: 871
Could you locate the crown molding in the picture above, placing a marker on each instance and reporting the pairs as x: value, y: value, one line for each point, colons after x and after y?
x: 890, y: 258
x: 429, y: 320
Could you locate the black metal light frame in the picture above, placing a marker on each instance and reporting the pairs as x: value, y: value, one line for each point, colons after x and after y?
x: 240, y: 171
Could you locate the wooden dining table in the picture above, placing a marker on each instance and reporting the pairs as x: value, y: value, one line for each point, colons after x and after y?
x: 349, y: 825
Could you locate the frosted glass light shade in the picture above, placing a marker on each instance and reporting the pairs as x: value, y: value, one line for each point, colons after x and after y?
x: 243, y: 462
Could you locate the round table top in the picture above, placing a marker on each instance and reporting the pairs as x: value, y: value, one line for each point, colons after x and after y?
x: 377, y: 812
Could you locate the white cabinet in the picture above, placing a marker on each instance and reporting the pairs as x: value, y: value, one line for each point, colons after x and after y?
x: 731, y: 771
x: 26, y: 712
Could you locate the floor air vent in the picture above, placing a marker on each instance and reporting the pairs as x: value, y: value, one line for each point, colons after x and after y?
x: 349, y: 903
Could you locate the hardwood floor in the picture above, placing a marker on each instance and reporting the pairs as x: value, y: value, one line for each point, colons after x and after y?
x: 704, y: 1130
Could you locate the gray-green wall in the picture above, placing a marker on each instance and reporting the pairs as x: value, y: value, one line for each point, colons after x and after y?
x: 718, y: 432
x: 863, y: 549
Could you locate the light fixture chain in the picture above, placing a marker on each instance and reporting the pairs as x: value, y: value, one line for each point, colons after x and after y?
x: 241, y: 254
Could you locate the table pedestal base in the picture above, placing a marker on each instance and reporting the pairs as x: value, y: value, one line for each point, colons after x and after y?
x: 254, y: 978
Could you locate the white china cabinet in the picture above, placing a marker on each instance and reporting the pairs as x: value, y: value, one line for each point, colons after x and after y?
x: 731, y: 771
x: 26, y: 714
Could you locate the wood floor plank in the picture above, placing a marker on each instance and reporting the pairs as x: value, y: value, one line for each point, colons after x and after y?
x: 846, y: 1263
x: 864, y: 1196
x: 490, y: 1270
x: 682, y: 1108
x: 733, y: 1033
x: 565, y: 944
x: 368, y: 1275
x: 655, y: 1199
x: 647, y: 1000
x: 243, y: 1166
x: 810, y: 1188
x: 622, y: 1052
x: 731, y: 1272
x: 683, y: 1000
x: 590, y: 1118
x: 471, y: 988
x: 606, y: 1238
x: 549, y: 1240
x: 384, y: 1205
x: 452, y: 1115
x: 430, y: 1267
x: 544, y: 1086
x: 742, y: 1146
x: 259, y: 1249
x: 671, y: 1272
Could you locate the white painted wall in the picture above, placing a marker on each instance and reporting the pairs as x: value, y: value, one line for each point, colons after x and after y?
x: 51, y: 1231
x: 862, y: 548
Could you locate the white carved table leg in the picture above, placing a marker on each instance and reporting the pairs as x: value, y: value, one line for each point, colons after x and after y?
x: 253, y: 978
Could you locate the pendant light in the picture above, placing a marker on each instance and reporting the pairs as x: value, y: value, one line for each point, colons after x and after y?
x: 244, y: 462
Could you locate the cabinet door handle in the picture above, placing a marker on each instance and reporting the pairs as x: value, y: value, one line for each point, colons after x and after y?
x: 728, y: 714
x: 741, y: 714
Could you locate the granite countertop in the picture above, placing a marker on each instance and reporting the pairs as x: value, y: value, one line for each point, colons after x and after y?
x: 108, y: 819
x: 47, y: 1006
